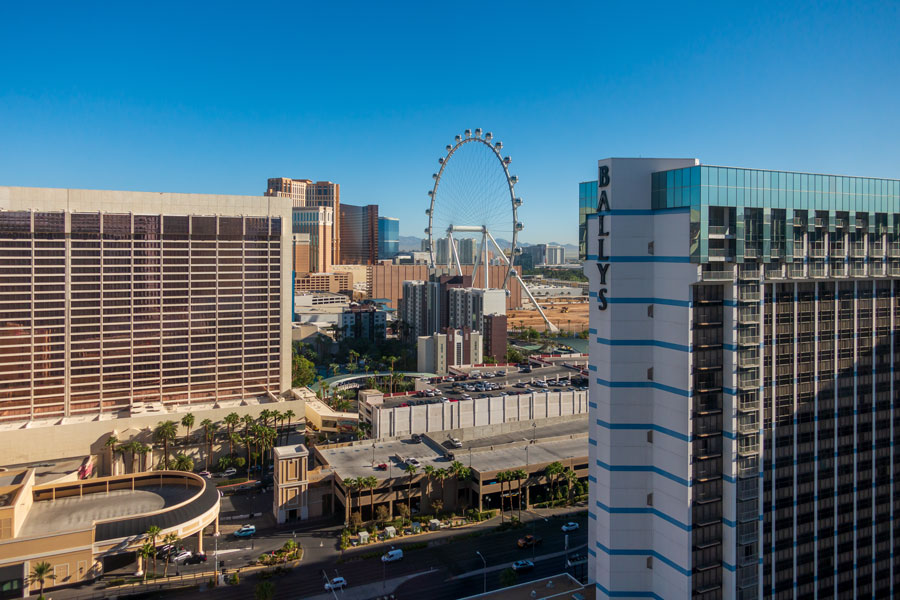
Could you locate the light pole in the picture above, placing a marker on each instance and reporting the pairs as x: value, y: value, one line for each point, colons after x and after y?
x: 533, y: 430
x: 216, y: 562
x: 483, y: 571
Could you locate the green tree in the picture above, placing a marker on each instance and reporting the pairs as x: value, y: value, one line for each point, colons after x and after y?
x: 110, y: 444
x: 40, y: 574
x: 429, y: 474
x: 264, y: 590
x: 148, y: 553
x: 165, y: 433
x: 231, y: 421
x: 289, y: 415
x: 392, y: 360
x: 519, y: 475
x: 441, y: 475
x: 170, y: 538
x: 152, y: 532
x: 502, y: 477
x: 508, y: 577
x: 570, y: 478
x: 209, y: 436
x: 187, y: 421
x: 334, y: 368
x: 370, y: 483
x: 353, y: 485
x: 183, y: 463
x: 142, y: 450
x: 303, y: 370
x: 552, y: 471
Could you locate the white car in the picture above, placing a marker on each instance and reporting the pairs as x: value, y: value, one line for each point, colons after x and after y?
x: 179, y: 556
x: 338, y: 583
x: 455, y: 442
x: 570, y: 526
x: 392, y: 556
x: 229, y: 472
x: 414, y: 462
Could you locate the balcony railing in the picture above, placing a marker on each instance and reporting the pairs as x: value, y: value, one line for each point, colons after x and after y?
x: 747, y: 533
x: 748, y: 577
x: 748, y: 489
x: 748, y: 401
x: 748, y: 358
x: 747, y: 511
x: 748, y: 466
x: 750, y: 272
x: 749, y: 381
x: 748, y: 336
x: 748, y: 293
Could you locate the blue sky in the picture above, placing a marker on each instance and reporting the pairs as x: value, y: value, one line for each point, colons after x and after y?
x: 217, y: 97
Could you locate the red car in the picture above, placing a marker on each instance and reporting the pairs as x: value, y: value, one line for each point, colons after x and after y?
x: 381, y: 467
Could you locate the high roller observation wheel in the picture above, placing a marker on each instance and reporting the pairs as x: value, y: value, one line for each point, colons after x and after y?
x: 473, y: 206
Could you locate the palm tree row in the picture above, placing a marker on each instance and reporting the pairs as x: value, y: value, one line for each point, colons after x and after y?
x: 508, y: 477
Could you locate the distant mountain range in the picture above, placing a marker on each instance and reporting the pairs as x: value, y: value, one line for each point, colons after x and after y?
x: 411, y: 243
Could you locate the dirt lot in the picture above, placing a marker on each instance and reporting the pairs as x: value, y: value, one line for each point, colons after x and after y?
x: 575, y: 317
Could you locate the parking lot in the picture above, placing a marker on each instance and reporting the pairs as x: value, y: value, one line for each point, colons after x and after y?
x: 486, y: 382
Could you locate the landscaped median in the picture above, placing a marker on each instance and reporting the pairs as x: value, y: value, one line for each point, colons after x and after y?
x: 403, y: 529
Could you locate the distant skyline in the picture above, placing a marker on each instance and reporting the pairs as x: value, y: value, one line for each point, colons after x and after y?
x: 217, y: 98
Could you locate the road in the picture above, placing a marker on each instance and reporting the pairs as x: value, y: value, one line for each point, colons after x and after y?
x: 445, y: 557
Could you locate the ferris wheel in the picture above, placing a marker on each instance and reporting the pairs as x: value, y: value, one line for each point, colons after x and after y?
x: 474, y: 196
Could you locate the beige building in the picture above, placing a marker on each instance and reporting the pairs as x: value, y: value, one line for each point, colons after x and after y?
x: 334, y: 282
x: 386, y: 281
x: 114, y: 303
x: 319, y: 224
x: 290, y: 499
x: 301, y: 252
x: 78, y: 527
x: 304, y: 193
x: 321, y: 417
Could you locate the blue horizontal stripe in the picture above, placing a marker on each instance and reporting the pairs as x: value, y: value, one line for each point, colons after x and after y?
x: 661, y: 344
x: 644, y: 384
x: 641, y: 510
x: 643, y: 427
x: 615, y: 594
x: 666, y: 301
x: 643, y: 469
x: 650, y: 258
x: 653, y: 553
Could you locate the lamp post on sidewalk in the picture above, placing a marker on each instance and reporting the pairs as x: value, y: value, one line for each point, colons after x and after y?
x: 483, y: 571
x: 216, y: 561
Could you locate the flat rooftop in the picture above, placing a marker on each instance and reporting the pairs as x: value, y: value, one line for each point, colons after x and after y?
x: 50, y: 471
x: 75, y: 513
x: 556, y: 587
x: 541, y: 432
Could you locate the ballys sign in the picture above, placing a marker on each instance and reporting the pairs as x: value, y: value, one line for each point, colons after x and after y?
x: 602, y: 235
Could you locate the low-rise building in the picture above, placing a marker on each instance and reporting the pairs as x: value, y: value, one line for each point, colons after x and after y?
x: 440, y: 351
x: 494, y: 335
x: 334, y: 282
x: 290, y: 499
x: 321, y: 417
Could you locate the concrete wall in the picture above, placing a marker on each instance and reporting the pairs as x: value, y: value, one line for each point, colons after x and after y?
x: 26, y: 445
x: 400, y: 421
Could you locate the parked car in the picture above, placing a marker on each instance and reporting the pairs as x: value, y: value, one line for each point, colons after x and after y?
x: 466, y: 397
x: 525, y: 370
x: 245, y: 531
x: 455, y: 442
x: 205, y: 474
x: 521, y: 384
x: 521, y: 566
x: 229, y: 472
x: 179, y: 556
x: 338, y: 583
x: 164, y: 551
x: 570, y: 526
x: 392, y: 556
x: 529, y: 540
x: 449, y: 456
x: 381, y: 467
x: 413, y: 461
x: 196, y: 558
x: 416, y: 438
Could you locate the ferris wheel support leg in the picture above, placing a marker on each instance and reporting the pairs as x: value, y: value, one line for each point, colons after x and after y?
x: 455, y: 254
x: 487, y: 258
x: 513, y: 273
x: 477, y: 262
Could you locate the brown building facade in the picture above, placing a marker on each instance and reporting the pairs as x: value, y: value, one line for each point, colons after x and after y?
x: 386, y: 281
x: 336, y: 283
x: 304, y: 193
x: 359, y: 234
x: 494, y: 335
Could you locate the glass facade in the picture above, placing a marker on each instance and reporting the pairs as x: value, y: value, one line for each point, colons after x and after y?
x: 175, y: 309
x: 359, y: 234
x: 388, y: 237
x: 587, y: 205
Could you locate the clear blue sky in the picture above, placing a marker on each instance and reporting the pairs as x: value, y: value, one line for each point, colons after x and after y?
x: 172, y: 97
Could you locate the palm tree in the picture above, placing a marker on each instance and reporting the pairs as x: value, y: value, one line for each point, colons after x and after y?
x: 520, y: 474
x: 209, y: 435
x: 40, y: 573
x: 231, y: 421
x: 570, y: 477
x: 441, y: 475
x: 183, y: 463
x: 147, y: 552
x: 288, y: 414
x: 334, y: 368
x: 411, y: 471
x: 170, y: 538
x: 143, y: 450
x: 552, y: 471
x: 429, y: 473
x: 110, y: 444
x: 392, y: 360
x: 352, y: 484
x: 276, y: 417
x: 264, y: 417
x: 152, y: 532
x: 187, y: 421
x: 354, y: 357
x: 341, y: 405
x: 165, y: 432
x: 233, y: 438
x: 371, y: 482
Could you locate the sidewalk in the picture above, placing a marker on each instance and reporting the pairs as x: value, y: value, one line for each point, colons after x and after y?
x: 369, y: 590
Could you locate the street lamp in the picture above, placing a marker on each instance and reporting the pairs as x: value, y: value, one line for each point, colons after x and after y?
x: 216, y: 562
x: 483, y: 571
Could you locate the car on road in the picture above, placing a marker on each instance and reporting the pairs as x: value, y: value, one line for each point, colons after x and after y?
x: 195, y: 558
x: 245, y: 531
x: 525, y: 370
x: 521, y: 384
x: 529, y: 540
x: 392, y: 556
x: 205, y: 474
x: 521, y: 566
x: 455, y: 442
x: 179, y: 556
x: 570, y: 526
x: 229, y: 472
x: 164, y: 551
x: 338, y: 583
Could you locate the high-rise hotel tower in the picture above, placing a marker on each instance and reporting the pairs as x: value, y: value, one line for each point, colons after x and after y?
x: 743, y: 382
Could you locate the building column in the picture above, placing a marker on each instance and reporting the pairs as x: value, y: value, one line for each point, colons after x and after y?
x: 140, y: 564
x: 480, y: 497
x: 200, y: 541
x: 527, y: 497
x: 391, y: 510
x: 216, y: 530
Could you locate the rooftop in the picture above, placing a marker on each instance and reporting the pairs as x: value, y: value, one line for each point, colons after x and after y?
x: 323, y: 410
x: 291, y: 451
x: 557, y: 587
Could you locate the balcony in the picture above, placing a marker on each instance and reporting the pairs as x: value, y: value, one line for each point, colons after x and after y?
x: 894, y: 249
x: 717, y: 274
x: 748, y: 446
x: 748, y: 336
x: 797, y: 271
x: 838, y: 269
x: 751, y: 251
x: 747, y: 533
x: 748, y: 358
x: 748, y: 381
x: 748, y: 489
x: 748, y: 293
x: 774, y: 271
x: 817, y: 269
x: 748, y: 422
x: 748, y: 272
x: 748, y: 577
x: 748, y: 401
x: 748, y: 466
x: 858, y: 251
x: 719, y: 230
x: 747, y: 511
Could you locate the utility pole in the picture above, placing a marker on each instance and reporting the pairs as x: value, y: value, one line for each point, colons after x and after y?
x: 483, y: 571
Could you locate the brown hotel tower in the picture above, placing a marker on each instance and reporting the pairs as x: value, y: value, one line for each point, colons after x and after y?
x: 109, y: 300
